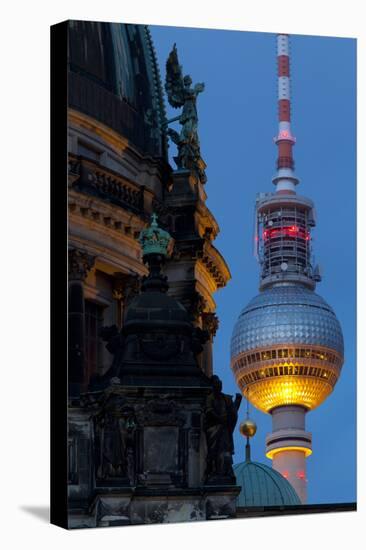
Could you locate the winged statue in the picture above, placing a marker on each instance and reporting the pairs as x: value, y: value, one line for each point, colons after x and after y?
x: 181, y: 94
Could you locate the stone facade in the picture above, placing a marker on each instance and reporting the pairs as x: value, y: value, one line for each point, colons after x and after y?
x: 118, y: 176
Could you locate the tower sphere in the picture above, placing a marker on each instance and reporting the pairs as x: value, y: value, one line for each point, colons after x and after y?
x: 248, y: 428
x: 287, y: 348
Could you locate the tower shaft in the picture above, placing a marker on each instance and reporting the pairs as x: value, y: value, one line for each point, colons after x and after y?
x: 288, y: 446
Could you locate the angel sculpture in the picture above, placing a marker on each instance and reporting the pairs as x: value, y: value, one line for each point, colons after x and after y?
x: 181, y: 94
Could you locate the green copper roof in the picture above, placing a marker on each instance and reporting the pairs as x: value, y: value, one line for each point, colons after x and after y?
x: 263, y: 486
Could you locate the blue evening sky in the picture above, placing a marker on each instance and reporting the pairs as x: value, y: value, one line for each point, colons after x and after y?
x: 237, y: 123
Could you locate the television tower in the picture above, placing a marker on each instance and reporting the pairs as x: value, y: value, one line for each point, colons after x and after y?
x: 287, y: 345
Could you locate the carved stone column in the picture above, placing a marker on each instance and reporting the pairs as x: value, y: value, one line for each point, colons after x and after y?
x: 125, y: 287
x: 210, y: 323
x: 80, y: 263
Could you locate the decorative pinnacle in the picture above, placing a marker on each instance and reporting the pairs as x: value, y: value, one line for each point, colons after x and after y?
x: 155, y: 240
x: 248, y: 429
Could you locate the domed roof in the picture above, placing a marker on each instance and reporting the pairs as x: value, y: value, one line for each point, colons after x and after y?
x: 263, y: 486
x: 288, y: 314
x: 114, y: 78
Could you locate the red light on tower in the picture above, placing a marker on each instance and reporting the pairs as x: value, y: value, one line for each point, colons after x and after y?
x: 289, y: 231
x: 301, y: 474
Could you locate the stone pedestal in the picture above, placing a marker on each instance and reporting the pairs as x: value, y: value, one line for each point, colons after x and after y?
x: 160, y: 433
x: 141, y: 506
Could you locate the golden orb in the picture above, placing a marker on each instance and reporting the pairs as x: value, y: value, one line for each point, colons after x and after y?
x: 248, y: 428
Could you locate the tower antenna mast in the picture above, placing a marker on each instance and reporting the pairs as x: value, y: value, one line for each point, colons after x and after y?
x: 285, y: 179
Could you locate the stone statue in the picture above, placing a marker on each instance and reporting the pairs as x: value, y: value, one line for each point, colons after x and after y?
x: 221, y: 414
x: 114, y: 430
x: 181, y: 94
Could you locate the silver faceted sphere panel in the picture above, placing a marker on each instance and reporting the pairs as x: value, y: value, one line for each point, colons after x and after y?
x: 288, y: 314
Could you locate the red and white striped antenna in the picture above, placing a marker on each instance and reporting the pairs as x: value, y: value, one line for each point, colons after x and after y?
x: 285, y: 179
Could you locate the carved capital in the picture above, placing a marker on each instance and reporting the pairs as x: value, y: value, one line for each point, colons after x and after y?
x: 125, y: 286
x: 80, y: 263
x: 210, y: 322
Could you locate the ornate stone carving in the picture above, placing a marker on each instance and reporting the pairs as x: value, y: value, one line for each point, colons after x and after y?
x: 214, y: 270
x: 199, y: 338
x: 160, y: 412
x: 125, y: 287
x: 197, y: 305
x: 210, y: 322
x: 158, y: 515
x: 80, y: 263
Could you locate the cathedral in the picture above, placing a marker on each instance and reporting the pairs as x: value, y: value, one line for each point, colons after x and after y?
x: 140, y: 340
x: 119, y: 176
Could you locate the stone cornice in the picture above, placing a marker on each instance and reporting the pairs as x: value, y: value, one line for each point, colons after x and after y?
x: 110, y: 260
x: 95, y: 212
x: 113, y: 138
x: 215, y: 264
x: 207, y: 224
x: 110, y: 233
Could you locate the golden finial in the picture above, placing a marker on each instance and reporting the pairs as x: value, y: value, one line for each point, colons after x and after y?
x: 248, y: 428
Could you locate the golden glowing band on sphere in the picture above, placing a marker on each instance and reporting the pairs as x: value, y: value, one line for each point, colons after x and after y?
x: 288, y: 375
x: 267, y: 394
